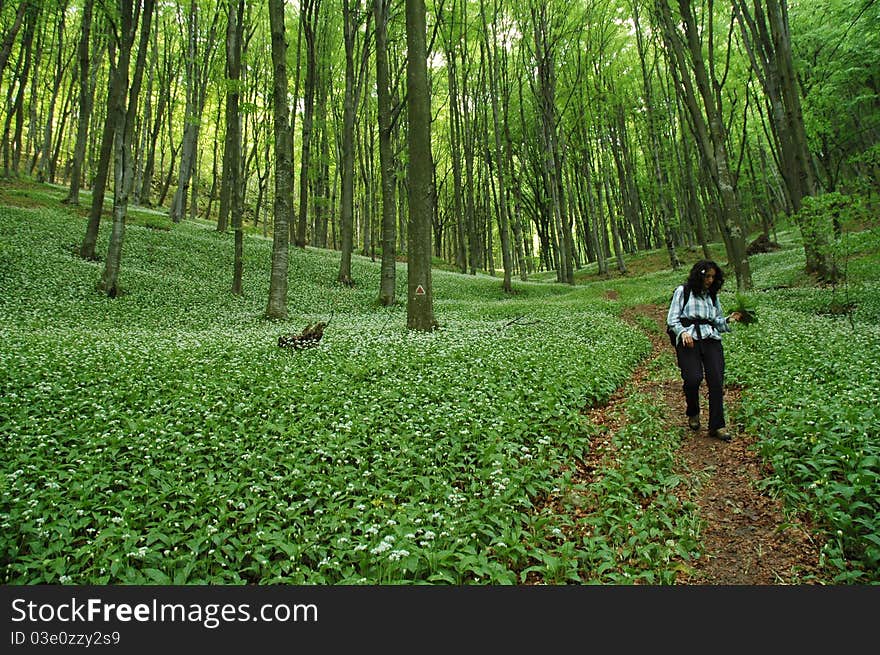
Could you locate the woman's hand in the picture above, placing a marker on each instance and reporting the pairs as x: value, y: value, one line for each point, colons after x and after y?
x: 687, y: 340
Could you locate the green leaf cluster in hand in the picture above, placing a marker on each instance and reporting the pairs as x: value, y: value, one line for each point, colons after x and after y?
x: 746, y: 307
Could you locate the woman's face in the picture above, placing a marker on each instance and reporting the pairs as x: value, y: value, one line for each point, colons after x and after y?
x: 709, y: 278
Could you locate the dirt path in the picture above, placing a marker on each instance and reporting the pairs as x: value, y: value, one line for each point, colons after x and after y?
x: 747, y: 539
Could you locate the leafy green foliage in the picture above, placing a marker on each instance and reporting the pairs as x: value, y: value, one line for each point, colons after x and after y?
x: 640, y: 530
x: 163, y: 436
x: 811, y: 384
x: 746, y: 307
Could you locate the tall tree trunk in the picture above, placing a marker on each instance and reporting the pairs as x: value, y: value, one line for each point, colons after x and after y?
x: 519, y: 241
x: 309, y: 12
x: 232, y: 156
x: 494, y: 74
x: 462, y: 232
x: 664, y: 192
x: 62, y: 140
x: 707, y: 123
x: 366, y: 155
x: 628, y: 188
x: 191, y: 117
x: 472, y: 228
x: 320, y: 174
x: 420, y: 295
x: 595, y: 202
x: 546, y: 94
x: 9, y: 41
x: 44, y: 165
x: 388, y: 276
x: 346, y: 210
x: 767, y: 37
x: 166, y: 73
x: 125, y: 119
x: 145, y: 121
x: 277, y: 306
x: 115, y: 96
x: 350, y: 19
x: 86, y: 96
x: 12, y: 146
x: 615, y: 228
x: 198, y: 63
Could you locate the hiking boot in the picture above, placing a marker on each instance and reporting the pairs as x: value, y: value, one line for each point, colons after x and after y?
x: 720, y: 433
x: 694, y: 423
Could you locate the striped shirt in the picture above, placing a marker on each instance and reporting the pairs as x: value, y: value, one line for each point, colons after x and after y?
x: 697, y: 307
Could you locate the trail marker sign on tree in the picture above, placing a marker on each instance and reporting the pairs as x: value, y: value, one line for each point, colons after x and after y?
x: 420, y: 290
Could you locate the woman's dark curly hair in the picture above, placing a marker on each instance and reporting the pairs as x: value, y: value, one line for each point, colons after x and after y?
x: 698, y: 272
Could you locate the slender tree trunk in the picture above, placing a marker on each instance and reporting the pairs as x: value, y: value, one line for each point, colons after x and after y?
x: 420, y: 303
x: 388, y: 279
x: 366, y: 154
x: 198, y: 63
x: 191, y: 118
x: 166, y: 73
x: 767, y: 37
x: 516, y: 221
x: 628, y: 190
x: 348, y: 120
x: 44, y: 165
x: 545, y: 63
x: 598, y: 221
x: 615, y: 229
x: 462, y: 233
x: 277, y: 307
x: 12, y: 145
x: 85, y: 105
x: 320, y: 177
x: 6, y: 47
x: 664, y: 192
x: 309, y: 13
x: 63, y: 139
x: 709, y: 128
x: 145, y: 121
x: 234, y: 36
x: 125, y: 119
x: 503, y: 219
x: 115, y: 96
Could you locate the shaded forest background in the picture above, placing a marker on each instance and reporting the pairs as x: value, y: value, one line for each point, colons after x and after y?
x: 520, y: 137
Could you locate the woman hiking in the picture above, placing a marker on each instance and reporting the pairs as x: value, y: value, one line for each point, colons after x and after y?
x: 696, y: 319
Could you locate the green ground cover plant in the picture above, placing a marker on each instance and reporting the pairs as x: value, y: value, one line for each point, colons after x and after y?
x: 162, y: 437
x: 811, y: 380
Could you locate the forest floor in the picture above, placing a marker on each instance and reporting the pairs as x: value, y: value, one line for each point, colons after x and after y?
x: 747, y: 538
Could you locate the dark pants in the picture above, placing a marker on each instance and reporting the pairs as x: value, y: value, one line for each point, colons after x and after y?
x: 705, y: 358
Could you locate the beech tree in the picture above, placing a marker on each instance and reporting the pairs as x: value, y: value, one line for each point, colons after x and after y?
x: 768, y: 43
x: 86, y: 96
x: 656, y: 143
x: 352, y: 15
x: 310, y: 11
x: 116, y: 87
x: 491, y: 41
x: 277, y: 307
x: 699, y: 86
x: 388, y: 278
x: 200, y: 52
x: 420, y: 299
x: 232, y: 152
x: 562, y: 134
x: 124, y: 117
